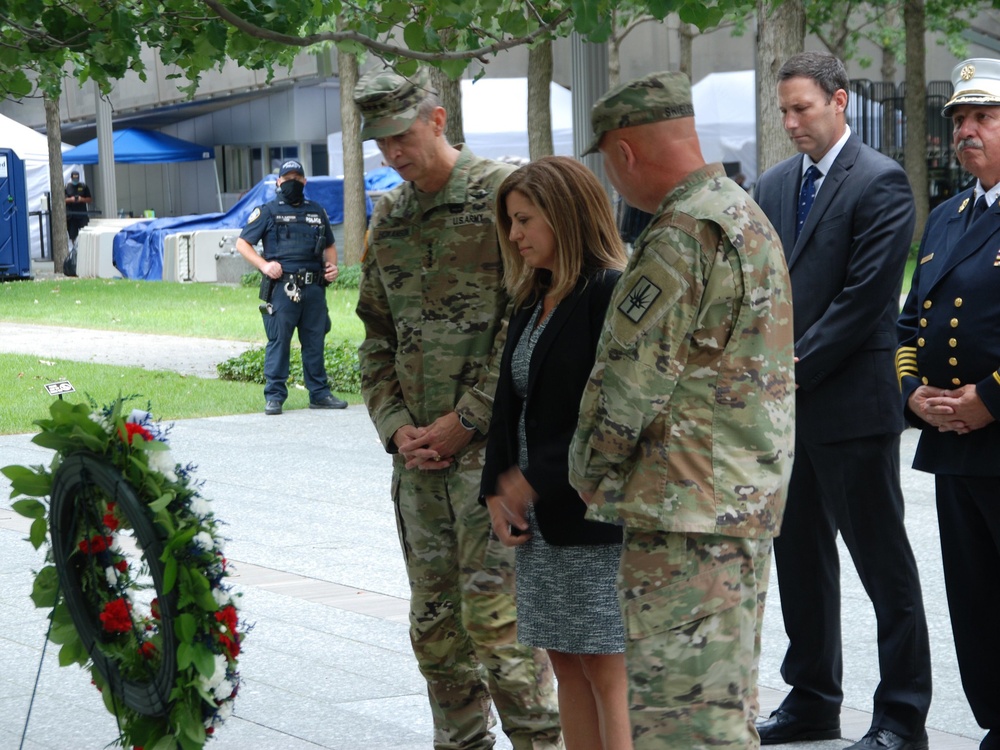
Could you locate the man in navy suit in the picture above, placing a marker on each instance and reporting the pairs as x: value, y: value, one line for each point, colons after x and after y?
x: 949, y: 352
x: 845, y: 216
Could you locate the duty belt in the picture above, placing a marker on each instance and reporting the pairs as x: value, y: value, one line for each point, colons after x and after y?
x: 295, y: 281
x: 303, y: 278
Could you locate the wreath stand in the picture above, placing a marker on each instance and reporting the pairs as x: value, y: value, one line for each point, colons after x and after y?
x: 83, y: 482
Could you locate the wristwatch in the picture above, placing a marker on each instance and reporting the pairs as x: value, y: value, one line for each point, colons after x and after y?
x: 467, y: 424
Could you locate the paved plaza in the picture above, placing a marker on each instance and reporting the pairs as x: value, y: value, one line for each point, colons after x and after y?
x: 305, y: 497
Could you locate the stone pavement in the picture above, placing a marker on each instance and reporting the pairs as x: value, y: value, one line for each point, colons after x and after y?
x: 188, y: 356
x: 328, y: 663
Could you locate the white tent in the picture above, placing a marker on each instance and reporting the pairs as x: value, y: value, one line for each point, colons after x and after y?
x: 33, y: 149
x: 725, y: 116
x: 495, y: 121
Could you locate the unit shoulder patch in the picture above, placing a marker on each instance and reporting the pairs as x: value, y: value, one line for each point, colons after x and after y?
x: 639, y: 299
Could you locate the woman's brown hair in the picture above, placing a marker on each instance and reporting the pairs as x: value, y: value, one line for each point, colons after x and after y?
x: 574, y: 205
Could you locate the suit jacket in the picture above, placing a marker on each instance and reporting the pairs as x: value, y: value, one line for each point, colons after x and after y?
x: 846, y: 268
x: 949, y: 335
x: 560, y: 366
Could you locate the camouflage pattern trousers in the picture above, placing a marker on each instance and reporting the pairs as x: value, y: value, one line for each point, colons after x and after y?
x: 462, y: 615
x: 693, y: 607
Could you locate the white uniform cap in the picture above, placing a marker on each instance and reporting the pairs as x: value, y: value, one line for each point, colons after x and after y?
x: 976, y: 81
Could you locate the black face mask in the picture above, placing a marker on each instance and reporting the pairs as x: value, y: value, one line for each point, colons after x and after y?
x: 291, y: 191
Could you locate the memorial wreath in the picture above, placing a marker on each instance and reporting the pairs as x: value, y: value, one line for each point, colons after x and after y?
x: 134, y: 573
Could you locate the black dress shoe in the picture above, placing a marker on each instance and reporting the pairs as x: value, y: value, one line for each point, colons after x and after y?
x: 781, y: 727
x: 883, y: 739
x: 330, y: 402
x: 272, y: 407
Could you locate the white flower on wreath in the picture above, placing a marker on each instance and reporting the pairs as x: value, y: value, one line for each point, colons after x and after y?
x: 112, y: 575
x: 222, y: 598
x: 218, y: 675
x: 162, y: 462
x: 223, y: 690
x: 204, y: 540
x: 224, y: 711
x: 98, y: 418
x: 201, y: 507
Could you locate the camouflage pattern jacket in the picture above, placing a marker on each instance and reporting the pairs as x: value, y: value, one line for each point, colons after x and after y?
x: 687, y: 424
x: 432, y: 301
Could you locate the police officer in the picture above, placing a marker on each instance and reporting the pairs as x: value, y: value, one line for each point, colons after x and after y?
x: 78, y: 197
x: 298, y: 262
x: 433, y: 307
x: 948, y: 364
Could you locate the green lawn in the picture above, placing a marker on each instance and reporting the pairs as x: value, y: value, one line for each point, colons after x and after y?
x: 198, y: 310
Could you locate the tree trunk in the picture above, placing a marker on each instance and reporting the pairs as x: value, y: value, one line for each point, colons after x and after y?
x: 614, y: 52
x: 57, y: 188
x: 915, y: 107
x: 685, y: 33
x: 781, y: 33
x: 451, y: 98
x: 539, y: 101
x: 888, y: 70
x: 355, y: 216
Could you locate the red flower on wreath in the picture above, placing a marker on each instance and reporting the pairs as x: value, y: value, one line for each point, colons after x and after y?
x: 132, y: 429
x: 228, y: 617
x: 121, y: 566
x: 117, y: 616
x: 154, y: 608
x: 232, y: 645
x: 110, y: 521
x: 97, y: 543
x: 147, y: 649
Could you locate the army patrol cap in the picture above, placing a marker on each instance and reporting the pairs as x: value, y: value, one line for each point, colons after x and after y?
x: 658, y: 96
x: 389, y: 102
x: 976, y: 81
x: 291, y: 165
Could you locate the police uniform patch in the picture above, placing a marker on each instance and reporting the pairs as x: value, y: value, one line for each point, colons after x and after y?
x: 254, y: 215
x: 639, y: 299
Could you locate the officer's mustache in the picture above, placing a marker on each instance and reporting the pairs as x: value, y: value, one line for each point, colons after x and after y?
x: 968, y: 143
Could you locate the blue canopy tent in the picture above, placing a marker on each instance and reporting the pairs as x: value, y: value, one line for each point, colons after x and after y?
x: 135, y: 146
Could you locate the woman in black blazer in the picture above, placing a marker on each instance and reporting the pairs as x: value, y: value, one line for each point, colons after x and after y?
x: 562, y: 256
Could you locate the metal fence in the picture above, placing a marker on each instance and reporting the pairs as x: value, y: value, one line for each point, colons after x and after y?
x: 876, y: 112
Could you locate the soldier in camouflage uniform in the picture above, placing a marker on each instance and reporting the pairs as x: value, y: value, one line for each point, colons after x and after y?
x: 434, y: 310
x: 686, y: 428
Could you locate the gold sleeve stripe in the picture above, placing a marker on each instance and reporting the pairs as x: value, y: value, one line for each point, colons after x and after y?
x: 996, y: 376
x: 906, y: 363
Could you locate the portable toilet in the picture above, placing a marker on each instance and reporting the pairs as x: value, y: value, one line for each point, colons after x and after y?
x: 15, y: 242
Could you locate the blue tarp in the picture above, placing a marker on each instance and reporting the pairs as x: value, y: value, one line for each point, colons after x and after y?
x: 138, y: 249
x: 383, y: 178
x: 134, y: 146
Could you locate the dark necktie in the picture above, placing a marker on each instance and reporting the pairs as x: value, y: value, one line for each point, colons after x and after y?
x: 807, y: 194
x: 979, y: 209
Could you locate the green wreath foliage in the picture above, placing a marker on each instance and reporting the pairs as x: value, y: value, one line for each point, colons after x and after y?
x: 134, y: 575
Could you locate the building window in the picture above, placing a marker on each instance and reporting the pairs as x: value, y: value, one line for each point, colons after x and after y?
x: 320, y: 160
x: 234, y: 168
